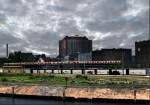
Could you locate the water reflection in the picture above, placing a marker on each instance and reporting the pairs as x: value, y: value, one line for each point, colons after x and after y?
x: 13, y: 101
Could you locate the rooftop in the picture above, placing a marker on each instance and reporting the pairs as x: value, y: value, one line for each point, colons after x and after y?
x: 75, y: 37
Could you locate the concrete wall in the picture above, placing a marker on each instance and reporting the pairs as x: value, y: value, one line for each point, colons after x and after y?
x: 13, y: 70
x: 78, y: 92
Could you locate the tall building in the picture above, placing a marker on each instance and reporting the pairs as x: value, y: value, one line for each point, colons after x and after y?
x: 124, y: 55
x: 75, y: 48
x: 142, y: 53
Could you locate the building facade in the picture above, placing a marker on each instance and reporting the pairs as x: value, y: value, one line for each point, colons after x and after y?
x: 124, y: 55
x: 71, y: 47
x: 142, y: 54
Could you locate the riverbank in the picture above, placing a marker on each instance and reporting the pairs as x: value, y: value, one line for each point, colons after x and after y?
x: 76, y: 87
x: 101, y: 81
x: 77, y: 93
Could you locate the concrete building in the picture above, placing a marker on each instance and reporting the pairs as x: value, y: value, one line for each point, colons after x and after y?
x: 142, y: 54
x: 71, y: 47
x: 124, y: 55
x: 85, y: 57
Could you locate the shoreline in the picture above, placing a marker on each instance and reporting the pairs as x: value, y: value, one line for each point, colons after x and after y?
x: 76, y: 94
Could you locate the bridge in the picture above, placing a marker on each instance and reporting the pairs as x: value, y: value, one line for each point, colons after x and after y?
x: 20, y: 67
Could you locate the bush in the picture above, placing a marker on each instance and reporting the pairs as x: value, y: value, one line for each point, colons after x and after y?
x: 31, y: 77
x: 90, y: 72
x: 81, y: 77
x: 2, y: 74
x: 4, y: 79
x: 51, y: 76
x: 116, y: 73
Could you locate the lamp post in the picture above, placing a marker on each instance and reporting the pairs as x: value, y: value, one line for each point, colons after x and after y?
x: 13, y: 91
x: 66, y: 80
x: 59, y: 65
x: 13, y: 95
x: 123, y: 62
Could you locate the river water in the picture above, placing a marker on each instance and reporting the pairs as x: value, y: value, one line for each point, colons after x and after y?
x: 10, y: 101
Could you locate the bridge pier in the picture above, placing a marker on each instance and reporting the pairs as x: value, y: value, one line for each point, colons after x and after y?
x: 31, y: 71
x: 83, y: 71
x: 95, y: 71
x: 52, y: 71
x: 38, y: 71
x: 71, y: 71
x: 44, y: 71
x: 110, y: 71
x: 127, y: 72
x: 61, y: 71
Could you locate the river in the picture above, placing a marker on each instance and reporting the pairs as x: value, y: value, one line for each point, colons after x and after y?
x: 16, y: 101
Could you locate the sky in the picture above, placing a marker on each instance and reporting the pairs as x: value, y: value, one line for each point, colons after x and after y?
x: 37, y: 25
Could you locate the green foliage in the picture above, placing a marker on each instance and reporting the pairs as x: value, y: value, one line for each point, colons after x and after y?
x: 78, y: 80
x: 2, y: 61
x: 81, y: 77
x: 21, y: 57
x: 3, y: 79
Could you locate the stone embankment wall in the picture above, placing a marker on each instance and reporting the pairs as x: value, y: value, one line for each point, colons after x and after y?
x: 76, y: 92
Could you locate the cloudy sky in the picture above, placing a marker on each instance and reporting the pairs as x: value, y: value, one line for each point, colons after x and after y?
x: 37, y: 25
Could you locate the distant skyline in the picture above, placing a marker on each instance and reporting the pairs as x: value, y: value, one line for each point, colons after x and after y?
x: 37, y: 25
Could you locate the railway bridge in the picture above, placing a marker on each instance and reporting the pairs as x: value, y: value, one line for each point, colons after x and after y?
x: 21, y: 67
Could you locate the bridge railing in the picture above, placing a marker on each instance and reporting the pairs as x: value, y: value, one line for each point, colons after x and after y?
x: 66, y: 62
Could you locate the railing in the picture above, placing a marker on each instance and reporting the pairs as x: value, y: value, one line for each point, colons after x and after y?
x: 66, y: 62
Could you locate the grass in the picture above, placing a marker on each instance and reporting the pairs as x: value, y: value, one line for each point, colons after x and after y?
x: 102, y: 81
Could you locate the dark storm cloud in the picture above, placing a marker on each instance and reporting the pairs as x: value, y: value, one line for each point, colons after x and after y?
x: 37, y: 25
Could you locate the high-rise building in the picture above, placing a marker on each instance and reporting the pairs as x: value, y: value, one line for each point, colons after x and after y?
x: 75, y: 48
x: 124, y: 55
x: 142, y: 53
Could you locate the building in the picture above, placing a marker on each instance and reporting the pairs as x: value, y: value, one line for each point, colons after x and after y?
x: 124, y: 55
x: 19, y: 56
x: 73, y: 47
x: 2, y: 61
x: 142, y: 54
x: 85, y: 57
